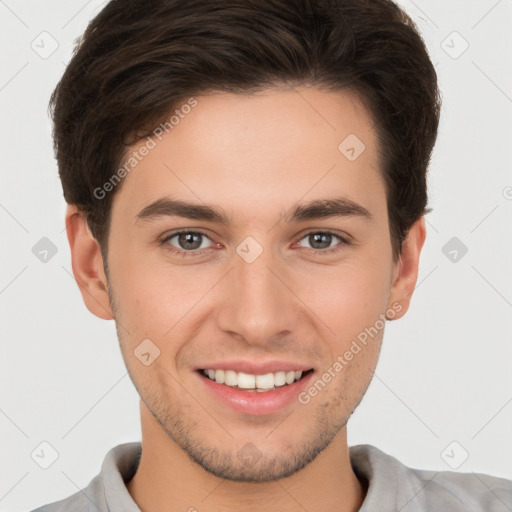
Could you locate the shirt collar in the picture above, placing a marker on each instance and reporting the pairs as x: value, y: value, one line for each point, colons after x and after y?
x: 386, y: 477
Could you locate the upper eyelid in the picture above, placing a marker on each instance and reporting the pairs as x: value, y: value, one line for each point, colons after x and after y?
x: 326, y: 232
x: 195, y: 230
x: 343, y: 238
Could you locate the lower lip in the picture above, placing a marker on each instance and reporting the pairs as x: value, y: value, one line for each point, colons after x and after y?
x: 256, y: 402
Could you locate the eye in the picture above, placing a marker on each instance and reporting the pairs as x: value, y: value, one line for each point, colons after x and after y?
x: 321, y: 241
x: 186, y: 242
x: 195, y: 243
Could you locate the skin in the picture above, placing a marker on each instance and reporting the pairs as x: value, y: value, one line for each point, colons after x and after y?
x: 256, y: 157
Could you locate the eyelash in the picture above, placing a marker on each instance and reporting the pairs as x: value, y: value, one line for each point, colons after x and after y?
x: 196, y: 252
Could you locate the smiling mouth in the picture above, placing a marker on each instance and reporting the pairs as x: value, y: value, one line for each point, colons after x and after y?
x: 255, y: 383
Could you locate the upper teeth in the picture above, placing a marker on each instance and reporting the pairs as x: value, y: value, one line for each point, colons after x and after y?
x: 248, y: 381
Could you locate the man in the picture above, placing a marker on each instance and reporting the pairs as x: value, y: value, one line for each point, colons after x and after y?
x: 246, y: 185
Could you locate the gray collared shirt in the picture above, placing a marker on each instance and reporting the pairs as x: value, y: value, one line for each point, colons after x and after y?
x: 392, y: 486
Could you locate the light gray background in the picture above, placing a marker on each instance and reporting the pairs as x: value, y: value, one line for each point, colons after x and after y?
x: 445, y: 369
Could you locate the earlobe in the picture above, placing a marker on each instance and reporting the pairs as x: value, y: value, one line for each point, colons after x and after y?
x: 87, y: 264
x: 406, y: 269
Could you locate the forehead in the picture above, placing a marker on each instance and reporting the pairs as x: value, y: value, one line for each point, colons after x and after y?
x: 271, y: 148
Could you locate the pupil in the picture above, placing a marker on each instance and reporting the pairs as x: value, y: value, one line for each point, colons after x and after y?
x: 186, y: 239
x: 317, y: 237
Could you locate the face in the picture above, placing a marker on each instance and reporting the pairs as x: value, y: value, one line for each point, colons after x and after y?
x: 266, y: 276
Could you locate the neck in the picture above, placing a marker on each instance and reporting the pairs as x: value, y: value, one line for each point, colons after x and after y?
x: 168, y: 479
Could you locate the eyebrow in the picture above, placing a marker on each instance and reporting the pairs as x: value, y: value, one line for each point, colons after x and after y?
x: 318, y: 209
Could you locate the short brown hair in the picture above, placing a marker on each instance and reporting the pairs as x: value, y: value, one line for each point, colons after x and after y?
x: 137, y: 61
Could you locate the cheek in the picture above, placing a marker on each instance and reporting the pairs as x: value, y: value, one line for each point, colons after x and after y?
x: 349, y: 297
x: 155, y: 297
x: 356, y: 373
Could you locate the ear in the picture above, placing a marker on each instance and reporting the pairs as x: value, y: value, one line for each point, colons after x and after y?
x: 405, y: 272
x: 87, y: 264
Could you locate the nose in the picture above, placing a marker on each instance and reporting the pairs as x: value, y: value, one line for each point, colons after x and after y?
x: 258, y: 304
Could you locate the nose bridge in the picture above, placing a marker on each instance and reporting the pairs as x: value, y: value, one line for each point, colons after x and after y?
x: 257, y: 305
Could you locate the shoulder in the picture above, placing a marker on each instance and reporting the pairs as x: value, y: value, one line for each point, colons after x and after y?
x: 417, y: 490
x: 107, y: 490
x: 478, y: 492
x: 85, y: 500
x: 77, y: 503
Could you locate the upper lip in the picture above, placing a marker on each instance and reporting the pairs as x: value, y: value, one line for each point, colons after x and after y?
x: 256, y: 368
